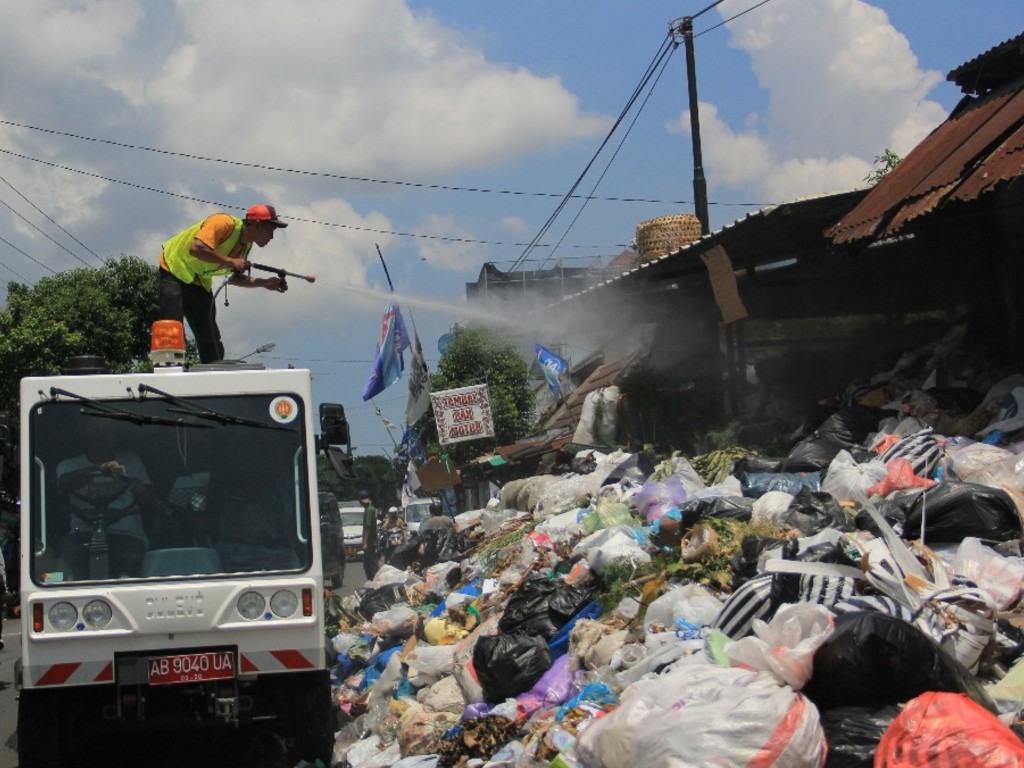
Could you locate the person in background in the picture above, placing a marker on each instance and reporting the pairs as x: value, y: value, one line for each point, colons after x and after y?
x: 437, y: 519
x: 393, y: 533
x: 217, y: 245
x: 370, y: 563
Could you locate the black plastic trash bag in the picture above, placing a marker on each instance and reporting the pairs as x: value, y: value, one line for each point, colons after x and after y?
x: 952, y: 511
x: 744, y: 563
x: 731, y: 507
x: 380, y: 599
x: 508, y: 664
x: 876, y: 660
x: 542, y: 606
x: 812, y: 454
x: 811, y: 512
x: 755, y: 464
x: 853, y: 733
x: 844, y: 429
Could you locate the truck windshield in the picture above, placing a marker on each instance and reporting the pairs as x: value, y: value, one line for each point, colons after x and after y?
x: 144, y: 488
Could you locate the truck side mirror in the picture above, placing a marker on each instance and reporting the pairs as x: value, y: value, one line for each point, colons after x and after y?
x: 334, y: 432
x: 333, y: 426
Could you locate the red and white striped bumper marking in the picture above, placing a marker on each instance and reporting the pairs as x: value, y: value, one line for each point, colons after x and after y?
x: 73, y: 673
x: 85, y: 673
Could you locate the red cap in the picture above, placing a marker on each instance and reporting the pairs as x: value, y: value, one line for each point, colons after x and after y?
x: 264, y: 213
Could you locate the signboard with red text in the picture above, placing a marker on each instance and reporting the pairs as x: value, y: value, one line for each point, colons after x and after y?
x: 462, y: 414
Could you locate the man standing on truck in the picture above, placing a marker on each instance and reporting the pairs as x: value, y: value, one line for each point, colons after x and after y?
x: 218, y: 245
x: 370, y: 563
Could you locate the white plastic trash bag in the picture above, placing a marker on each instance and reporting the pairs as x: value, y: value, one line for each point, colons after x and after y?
x: 611, y: 545
x: 690, y: 602
x: 429, y: 663
x: 707, y: 715
x: 784, y: 647
x: 849, y: 479
x: 1002, y: 578
x: 770, y: 506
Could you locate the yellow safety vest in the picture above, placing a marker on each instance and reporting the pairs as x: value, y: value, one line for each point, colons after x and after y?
x: 187, y: 268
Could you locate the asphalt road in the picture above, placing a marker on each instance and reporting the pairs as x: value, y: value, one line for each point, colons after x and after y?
x: 166, y: 754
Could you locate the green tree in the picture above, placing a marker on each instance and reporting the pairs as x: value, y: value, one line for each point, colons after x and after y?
x: 483, y: 356
x: 885, y: 162
x: 106, y: 311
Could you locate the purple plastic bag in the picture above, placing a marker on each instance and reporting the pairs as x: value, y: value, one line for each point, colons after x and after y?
x: 655, y: 499
x: 553, y: 688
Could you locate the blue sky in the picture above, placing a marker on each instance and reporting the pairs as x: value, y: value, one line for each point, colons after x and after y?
x: 379, y: 123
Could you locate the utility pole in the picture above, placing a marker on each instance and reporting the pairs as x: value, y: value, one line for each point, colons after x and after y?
x: 684, y: 27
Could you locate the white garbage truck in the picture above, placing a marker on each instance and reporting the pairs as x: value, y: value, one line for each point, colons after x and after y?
x: 171, y: 568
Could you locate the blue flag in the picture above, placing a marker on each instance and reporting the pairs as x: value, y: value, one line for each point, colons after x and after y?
x: 388, y: 363
x: 553, y: 367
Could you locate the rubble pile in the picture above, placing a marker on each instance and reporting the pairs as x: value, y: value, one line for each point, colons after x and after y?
x: 855, y: 602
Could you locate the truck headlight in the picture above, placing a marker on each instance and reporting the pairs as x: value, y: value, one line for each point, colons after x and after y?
x: 284, y: 603
x: 62, y: 615
x: 250, y: 605
x: 97, y: 614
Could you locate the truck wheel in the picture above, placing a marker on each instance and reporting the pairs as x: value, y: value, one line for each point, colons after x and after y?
x: 40, y: 740
x: 314, y: 719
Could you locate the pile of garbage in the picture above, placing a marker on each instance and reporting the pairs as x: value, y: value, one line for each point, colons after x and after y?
x: 856, y: 602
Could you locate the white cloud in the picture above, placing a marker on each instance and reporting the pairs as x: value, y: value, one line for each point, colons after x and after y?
x: 369, y: 87
x: 843, y: 86
x: 53, y: 39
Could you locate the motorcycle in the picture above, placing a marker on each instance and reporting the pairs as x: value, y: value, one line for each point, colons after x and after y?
x: 391, y: 539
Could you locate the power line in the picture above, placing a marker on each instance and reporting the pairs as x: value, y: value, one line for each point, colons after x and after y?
x: 44, y: 234
x: 31, y: 258
x: 50, y: 219
x: 7, y: 266
x: 665, y: 50
x: 227, y: 206
x: 327, y: 175
x: 664, y: 65
x: 731, y: 18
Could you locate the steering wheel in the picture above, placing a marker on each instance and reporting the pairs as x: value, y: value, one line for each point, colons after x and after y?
x: 83, y: 486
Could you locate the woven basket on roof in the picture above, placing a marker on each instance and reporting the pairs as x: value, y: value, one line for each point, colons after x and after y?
x: 656, y: 237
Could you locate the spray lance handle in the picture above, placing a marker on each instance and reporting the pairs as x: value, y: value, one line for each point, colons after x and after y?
x: 281, y: 273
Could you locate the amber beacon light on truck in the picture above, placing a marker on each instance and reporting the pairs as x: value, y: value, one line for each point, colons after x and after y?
x: 167, y: 343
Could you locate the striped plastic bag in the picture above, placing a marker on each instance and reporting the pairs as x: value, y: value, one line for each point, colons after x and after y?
x: 957, y: 614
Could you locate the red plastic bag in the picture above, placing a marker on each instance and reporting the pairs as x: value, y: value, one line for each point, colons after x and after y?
x: 901, y: 476
x: 948, y: 730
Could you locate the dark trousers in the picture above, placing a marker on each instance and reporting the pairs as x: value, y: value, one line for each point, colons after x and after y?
x: 370, y: 564
x: 182, y: 301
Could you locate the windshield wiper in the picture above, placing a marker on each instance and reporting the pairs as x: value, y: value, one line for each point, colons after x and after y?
x: 184, y: 406
x: 107, y: 411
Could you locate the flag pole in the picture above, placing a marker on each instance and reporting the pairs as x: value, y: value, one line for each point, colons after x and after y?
x: 384, y: 264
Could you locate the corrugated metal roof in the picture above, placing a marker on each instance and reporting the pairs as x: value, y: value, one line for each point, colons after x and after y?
x: 978, y: 149
x: 787, y: 230
x: 997, y: 65
x: 967, y: 156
